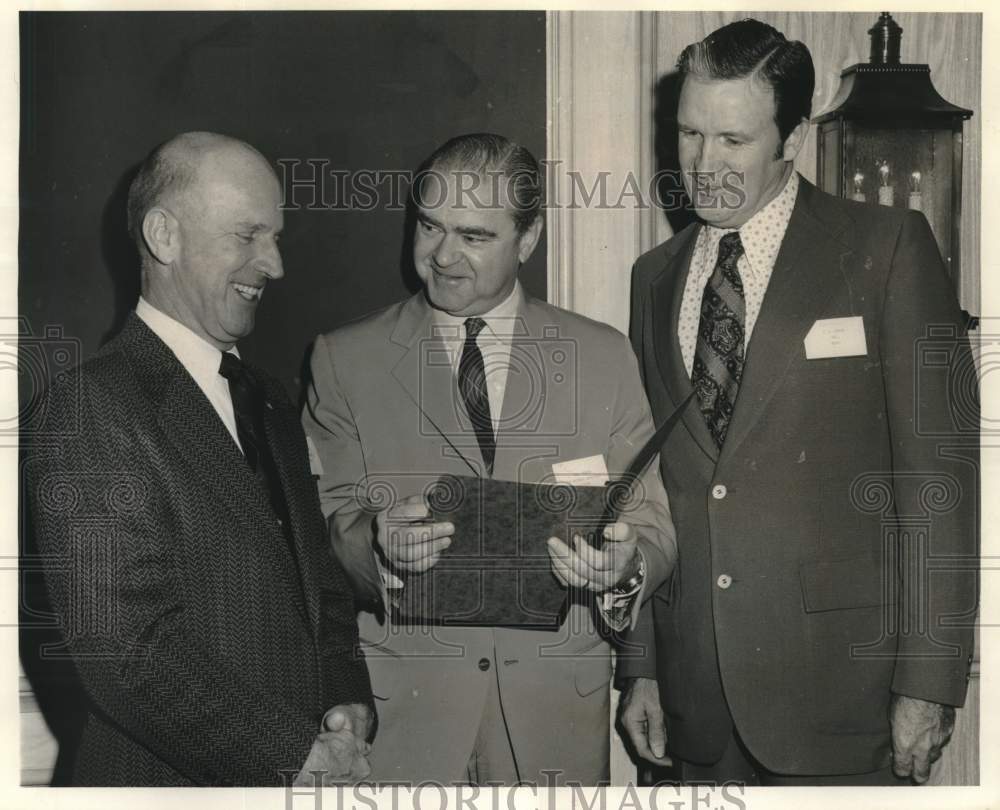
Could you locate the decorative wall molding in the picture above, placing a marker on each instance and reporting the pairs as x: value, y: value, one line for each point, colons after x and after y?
x: 597, y: 110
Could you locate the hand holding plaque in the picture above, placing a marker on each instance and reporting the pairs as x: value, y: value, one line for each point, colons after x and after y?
x: 500, y: 570
x: 596, y: 569
x: 408, y: 539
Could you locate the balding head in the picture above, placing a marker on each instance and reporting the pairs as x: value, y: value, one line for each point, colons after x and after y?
x: 205, y: 211
x: 170, y: 172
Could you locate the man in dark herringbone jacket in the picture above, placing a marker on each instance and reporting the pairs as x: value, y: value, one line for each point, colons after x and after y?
x: 185, y: 550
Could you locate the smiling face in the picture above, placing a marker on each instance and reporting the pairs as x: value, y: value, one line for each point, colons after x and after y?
x: 731, y: 154
x: 221, y: 249
x: 466, y: 253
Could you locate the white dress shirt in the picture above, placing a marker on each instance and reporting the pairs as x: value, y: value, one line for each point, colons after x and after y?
x: 199, y: 357
x: 761, y: 236
x: 494, y: 341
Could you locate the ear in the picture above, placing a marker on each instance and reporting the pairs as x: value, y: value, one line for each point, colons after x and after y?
x: 529, y: 239
x: 795, y: 141
x: 161, y: 233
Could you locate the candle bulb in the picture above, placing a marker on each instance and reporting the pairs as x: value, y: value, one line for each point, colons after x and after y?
x: 916, y: 198
x: 859, y: 193
x: 886, y: 193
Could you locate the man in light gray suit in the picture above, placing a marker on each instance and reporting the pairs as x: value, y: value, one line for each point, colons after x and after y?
x: 473, y: 376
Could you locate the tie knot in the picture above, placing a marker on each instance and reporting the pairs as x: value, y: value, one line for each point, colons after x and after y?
x: 231, y: 367
x: 473, y: 326
x: 730, y: 248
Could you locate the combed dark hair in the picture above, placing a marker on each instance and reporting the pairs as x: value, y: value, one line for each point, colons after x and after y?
x: 752, y: 48
x: 482, y: 152
x: 160, y: 173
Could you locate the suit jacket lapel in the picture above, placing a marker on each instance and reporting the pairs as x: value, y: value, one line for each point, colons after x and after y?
x: 425, y: 372
x: 667, y: 294
x: 810, y: 265
x: 536, y: 407
x: 518, y: 391
x: 193, y: 427
x: 279, y: 442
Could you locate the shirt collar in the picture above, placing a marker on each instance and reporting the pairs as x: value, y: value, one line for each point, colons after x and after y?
x: 775, y: 214
x: 501, y: 321
x: 197, y: 355
x: 761, y: 235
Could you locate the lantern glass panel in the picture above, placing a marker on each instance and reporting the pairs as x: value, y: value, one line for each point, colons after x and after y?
x: 830, y: 146
x: 904, y: 168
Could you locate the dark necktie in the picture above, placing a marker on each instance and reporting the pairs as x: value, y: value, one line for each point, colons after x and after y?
x: 720, y: 350
x: 472, y: 386
x: 248, y: 405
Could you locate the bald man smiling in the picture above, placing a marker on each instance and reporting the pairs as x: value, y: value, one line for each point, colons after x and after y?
x: 184, y: 546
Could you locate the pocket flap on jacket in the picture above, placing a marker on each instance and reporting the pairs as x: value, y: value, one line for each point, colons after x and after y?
x: 383, y: 668
x: 591, y: 672
x: 857, y: 582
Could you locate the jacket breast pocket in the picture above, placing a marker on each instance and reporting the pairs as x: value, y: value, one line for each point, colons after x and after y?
x: 856, y: 582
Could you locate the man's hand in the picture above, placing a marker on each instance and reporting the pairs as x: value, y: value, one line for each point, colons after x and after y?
x: 408, y: 541
x: 584, y: 566
x: 920, y: 729
x: 356, y: 716
x: 642, y: 718
x: 340, y: 751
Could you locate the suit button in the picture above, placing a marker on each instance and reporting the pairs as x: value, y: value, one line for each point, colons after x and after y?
x: 724, y: 581
x: 484, y: 664
x: 719, y: 491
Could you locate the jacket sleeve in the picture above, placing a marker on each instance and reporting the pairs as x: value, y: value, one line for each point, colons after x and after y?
x: 331, y: 429
x: 345, y: 674
x: 115, y: 585
x: 636, y: 655
x: 649, y: 510
x: 933, y: 415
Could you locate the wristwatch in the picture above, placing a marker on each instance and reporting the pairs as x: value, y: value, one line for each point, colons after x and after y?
x: 634, y: 582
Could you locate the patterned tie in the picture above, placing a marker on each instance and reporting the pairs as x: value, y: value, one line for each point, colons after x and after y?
x: 248, y: 405
x: 719, y: 354
x: 472, y: 386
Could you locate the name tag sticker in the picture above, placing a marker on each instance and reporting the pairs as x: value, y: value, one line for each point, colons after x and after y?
x: 315, y: 462
x: 836, y: 337
x: 582, y: 472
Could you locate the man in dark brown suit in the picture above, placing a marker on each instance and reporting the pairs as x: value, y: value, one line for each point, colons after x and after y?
x: 185, y: 550
x: 818, y: 628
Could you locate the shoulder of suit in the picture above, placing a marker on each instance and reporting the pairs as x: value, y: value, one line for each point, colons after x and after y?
x: 574, y: 325
x: 572, y: 320
x: 851, y: 219
x: 108, y: 367
x: 651, y: 263
x: 89, y: 391
x: 380, y: 322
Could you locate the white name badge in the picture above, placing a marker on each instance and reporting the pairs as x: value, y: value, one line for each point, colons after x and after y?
x: 591, y: 471
x: 315, y: 462
x: 836, y: 337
